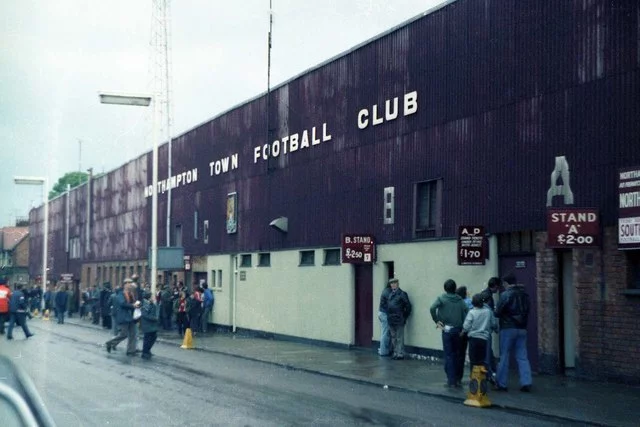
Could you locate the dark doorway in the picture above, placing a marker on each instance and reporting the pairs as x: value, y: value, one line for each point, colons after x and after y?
x: 364, y: 305
x: 524, y: 270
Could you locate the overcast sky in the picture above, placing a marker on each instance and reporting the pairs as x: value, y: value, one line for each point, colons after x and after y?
x: 56, y: 56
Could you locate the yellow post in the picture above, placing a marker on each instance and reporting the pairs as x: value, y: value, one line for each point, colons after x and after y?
x: 36, y: 313
x: 478, y: 388
x: 188, y: 339
x: 45, y: 316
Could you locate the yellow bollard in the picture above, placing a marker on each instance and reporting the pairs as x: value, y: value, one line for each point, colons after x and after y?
x: 478, y: 388
x: 45, y: 316
x: 36, y: 313
x: 188, y: 339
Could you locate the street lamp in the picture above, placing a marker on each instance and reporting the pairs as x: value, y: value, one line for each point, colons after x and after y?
x: 36, y: 180
x: 144, y: 101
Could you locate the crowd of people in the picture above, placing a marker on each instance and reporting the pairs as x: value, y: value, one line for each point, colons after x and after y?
x: 123, y: 310
x: 466, y: 323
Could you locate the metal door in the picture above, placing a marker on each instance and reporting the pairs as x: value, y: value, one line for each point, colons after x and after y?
x: 364, y: 305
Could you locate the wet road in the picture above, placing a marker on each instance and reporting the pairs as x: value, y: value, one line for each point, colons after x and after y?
x: 83, y: 385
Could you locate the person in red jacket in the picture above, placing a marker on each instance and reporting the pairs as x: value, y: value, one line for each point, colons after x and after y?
x: 5, y: 294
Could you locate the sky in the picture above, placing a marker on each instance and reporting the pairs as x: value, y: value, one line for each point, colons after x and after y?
x: 55, y: 57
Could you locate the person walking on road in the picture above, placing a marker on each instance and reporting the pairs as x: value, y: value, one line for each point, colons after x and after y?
x: 448, y: 312
x: 148, y: 324
x: 398, y: 311
x: 5, y: 295
x: 62, y: 297
x: 513, y: 312
x: 126, y: 304
x: 385, y: 336
x: 18, y: 311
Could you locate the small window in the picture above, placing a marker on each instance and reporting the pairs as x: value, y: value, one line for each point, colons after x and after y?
x: 332, y: 257
x: 389, y: 205
x: 245, y: 260
x: 205, y: 231
x: 633, y: 259
x: 195, y: 225
x: 219, y: 279
x: 307, y: 257
x: 427, y: 209
x: 264, y: 259
x: 74, y: 248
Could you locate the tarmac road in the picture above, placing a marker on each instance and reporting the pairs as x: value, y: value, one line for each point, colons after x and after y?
x: 83, y: 385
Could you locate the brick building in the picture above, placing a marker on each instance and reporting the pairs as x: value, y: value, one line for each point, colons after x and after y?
x: 14, y: 254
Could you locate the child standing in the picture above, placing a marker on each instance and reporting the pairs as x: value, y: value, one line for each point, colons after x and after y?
x: 148, y: 324
x: 478, y: 325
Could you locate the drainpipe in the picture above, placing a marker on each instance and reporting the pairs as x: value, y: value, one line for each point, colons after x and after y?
x: 66, y: 225
x: 234, y: 264
x: 87, y: 243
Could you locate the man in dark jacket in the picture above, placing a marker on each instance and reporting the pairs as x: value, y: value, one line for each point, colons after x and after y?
x: 398, y: 311
x: 513, y: 312
x: 148, y: 325
x: 18, y: 310
x: 448, y: 312
x: 105, y: 305
x: 61, y: 301
x: 166, y: 307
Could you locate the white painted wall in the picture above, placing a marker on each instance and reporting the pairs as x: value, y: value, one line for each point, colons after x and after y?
x: 422, y: 268
x: 318, y: 302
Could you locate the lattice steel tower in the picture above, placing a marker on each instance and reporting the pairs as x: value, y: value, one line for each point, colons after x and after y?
x: 160, y: 72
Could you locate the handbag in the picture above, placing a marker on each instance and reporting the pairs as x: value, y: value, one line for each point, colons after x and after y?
x: 137, y: 313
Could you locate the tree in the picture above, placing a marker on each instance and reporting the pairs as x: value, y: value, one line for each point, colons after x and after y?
x: 72, y: 178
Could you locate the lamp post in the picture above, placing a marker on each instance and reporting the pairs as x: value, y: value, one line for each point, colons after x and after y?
x: 144, y: 101
x: 36, y: 180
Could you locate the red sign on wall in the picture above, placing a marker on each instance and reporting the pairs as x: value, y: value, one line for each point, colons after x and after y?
x: 358, y: 249
x: 573, y: 228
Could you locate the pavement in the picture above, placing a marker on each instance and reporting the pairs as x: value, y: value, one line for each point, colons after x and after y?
x: 558, y: 398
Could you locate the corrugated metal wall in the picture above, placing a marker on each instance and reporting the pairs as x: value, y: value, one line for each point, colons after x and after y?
x: 503, y: 87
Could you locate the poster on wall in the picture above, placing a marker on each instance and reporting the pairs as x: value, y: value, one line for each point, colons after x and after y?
x: 358, y: 249
x: 232, y: 213
x: 629, y: 208
x: 472, y: 245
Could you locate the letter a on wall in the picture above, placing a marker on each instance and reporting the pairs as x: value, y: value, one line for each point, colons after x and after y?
x: 564, y: 189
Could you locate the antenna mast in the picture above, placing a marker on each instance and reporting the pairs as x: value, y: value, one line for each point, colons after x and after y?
x: 269, y: 76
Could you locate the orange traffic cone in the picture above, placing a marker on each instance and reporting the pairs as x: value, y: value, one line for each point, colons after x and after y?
x: 478, y: 388
x: 188, y: 339
x: 45, y: 316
